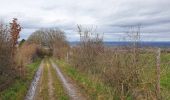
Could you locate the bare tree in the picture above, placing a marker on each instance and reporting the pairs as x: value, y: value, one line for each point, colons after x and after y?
x: 91, y: 45
x: 51, y: 38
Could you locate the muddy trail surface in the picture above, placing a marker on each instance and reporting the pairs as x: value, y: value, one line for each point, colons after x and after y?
x: 50, y: 83
x: 33, y: 87
x: 70, y: 87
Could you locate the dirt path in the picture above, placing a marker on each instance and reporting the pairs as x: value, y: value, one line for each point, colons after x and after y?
x: 73, y: 92
x: 49, y: 87
x: 42, y: 86
x: 45, y: 90
x: 49, y: 83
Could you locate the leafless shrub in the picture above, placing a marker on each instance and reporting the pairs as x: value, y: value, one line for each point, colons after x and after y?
x: 123, y: 68
x: 126, y: 69
x: 84, y: 56
x: 5, y: 50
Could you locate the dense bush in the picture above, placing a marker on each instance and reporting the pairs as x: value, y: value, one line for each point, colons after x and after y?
x: 8, y: 41
x: 6, y: 61
x: 85, y: 54
x: 25, y: 54
x: 13, y: 57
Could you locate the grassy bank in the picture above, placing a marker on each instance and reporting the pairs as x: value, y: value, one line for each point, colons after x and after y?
x: 18, y: 89
x: 94, y: 89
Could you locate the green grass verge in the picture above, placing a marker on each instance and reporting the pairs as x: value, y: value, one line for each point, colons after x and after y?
x: 95, y: 90
x: 165, y: 76
x: 18, y: 89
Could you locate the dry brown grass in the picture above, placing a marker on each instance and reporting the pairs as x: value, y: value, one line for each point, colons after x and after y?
x: 26, y: 54
x: 125, y: 68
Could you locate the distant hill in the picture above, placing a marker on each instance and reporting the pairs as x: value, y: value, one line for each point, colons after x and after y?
x: 160, y: 44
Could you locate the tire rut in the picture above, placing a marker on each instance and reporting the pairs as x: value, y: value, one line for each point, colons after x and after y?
x: 73, y: 92
x: 34, y: 85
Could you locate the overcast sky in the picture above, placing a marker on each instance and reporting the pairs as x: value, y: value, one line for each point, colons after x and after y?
x: 112, y: 17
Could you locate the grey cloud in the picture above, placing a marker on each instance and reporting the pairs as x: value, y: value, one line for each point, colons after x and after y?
x: 113, y: 17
